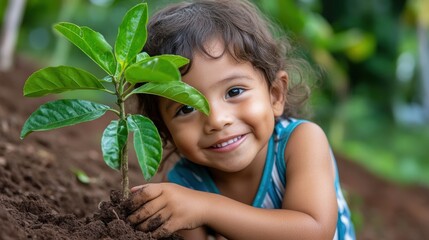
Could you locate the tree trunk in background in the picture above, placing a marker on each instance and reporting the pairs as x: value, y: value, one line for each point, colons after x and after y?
x: 9, y: 34
x: 62, y: 47
x: 423, y: 31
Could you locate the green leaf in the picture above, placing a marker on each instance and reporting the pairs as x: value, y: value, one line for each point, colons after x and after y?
x: 132, y: 34
x: 152, y: 70
x: 108, y: 79
x: 177, y: 91
x: 81, y: 176
x: 61, y: 113
x: 91, y: 43
x: 147, y: 144
x: 142, y: 56
x: 113, y: 141
x: 176, y: 60
x: 60, y: 79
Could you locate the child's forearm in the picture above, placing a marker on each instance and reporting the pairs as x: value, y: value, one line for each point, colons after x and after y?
x: 235, y: 220
x: 180, y: 208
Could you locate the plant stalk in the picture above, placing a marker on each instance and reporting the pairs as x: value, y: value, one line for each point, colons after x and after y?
x: 124, y: 172
x: 124, y: 152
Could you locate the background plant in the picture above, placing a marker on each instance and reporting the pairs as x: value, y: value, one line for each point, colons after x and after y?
x: 126, y: 66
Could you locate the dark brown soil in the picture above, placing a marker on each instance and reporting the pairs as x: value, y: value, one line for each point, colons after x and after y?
x: 41, y: 197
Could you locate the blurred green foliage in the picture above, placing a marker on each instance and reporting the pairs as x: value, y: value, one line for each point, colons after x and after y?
x: 369, y: 100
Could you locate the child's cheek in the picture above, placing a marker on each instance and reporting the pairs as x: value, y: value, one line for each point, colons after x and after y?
x: 257, y: 109
x: 259, y: 115
x: 185, y: 139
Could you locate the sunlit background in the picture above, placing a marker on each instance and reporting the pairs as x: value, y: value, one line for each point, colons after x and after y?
x: 373, y: 95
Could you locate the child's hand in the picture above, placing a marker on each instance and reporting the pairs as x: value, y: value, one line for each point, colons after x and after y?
x: 164, y: 208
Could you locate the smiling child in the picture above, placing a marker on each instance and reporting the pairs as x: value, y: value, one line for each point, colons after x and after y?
x: 251, y: 169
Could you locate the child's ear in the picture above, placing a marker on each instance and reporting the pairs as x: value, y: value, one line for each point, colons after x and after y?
x: 278, y: 93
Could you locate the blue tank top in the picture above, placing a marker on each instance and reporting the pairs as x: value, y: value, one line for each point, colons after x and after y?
x: 272, y: 186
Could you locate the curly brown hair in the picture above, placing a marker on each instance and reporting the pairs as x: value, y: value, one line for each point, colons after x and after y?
x: 186, y: 27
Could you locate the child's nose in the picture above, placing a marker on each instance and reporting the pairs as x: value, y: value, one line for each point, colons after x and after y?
x: 219, y: 118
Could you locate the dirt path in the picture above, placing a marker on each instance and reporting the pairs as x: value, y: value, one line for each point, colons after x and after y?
x: 41, y: 198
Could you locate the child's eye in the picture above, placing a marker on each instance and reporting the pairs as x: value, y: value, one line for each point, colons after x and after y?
x: 186, y: 109
x: 234, y: 92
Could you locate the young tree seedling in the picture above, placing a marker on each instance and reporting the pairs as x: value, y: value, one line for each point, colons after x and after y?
x: 126, y: 66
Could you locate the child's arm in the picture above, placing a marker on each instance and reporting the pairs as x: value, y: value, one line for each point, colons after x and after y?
x: 309, y: 206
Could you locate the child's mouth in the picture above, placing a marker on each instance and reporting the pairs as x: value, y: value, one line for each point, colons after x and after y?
x: 227, y: 143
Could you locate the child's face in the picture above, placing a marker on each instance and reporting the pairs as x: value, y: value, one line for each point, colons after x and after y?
x: 242, y: 113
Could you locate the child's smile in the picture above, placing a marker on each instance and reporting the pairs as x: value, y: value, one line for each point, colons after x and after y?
x: 228, y: 145
x: 242, y: 113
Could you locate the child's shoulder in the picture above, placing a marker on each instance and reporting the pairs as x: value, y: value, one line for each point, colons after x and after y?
x: 296, y: 135
x: 285, y: 127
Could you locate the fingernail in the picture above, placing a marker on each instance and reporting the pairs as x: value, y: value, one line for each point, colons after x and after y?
x: 136, y: 188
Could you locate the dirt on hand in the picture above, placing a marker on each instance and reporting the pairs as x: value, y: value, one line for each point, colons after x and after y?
x: 41, y: 196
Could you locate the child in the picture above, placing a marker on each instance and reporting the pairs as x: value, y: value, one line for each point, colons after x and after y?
x: 248, y: 170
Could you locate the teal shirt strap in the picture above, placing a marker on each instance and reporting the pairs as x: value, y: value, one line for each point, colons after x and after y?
x: 266, y: 175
